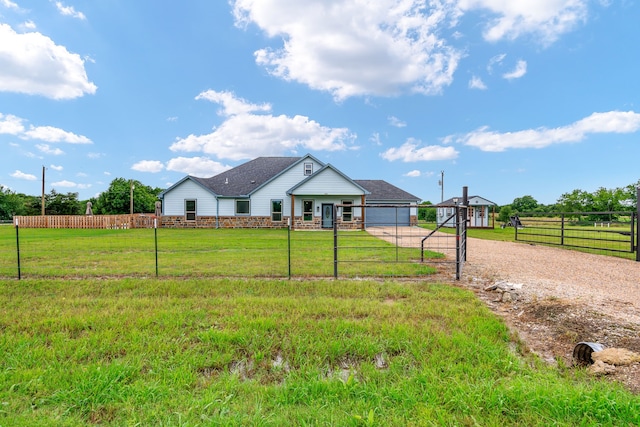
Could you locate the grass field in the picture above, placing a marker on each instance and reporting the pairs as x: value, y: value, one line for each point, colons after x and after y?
x: 202, y: 252
x: 277, y: 352
x: 611, y: 240
x: 109, y: 345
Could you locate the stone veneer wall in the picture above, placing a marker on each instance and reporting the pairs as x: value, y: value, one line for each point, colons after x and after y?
x: 253, y: 222
x: 222, y: 222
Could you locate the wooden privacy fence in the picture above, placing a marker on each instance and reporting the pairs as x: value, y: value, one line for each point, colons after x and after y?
x: 86, y: 221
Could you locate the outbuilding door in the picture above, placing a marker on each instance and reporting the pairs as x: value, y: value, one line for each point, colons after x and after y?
x: 327, y: 215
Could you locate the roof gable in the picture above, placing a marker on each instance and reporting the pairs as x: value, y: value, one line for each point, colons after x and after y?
x: 382, y: 190
x: 473, y: 201
x: 248, y: 177
x: 194, y: 179
x: 310, y: 184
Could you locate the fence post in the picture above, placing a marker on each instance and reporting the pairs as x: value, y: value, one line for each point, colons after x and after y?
x: 458, y: 258
x: 465, y: 204
x: 155, y: 236
x: 18, y: 249
x: 289, y: 246
x: 335, y: 243
x: 562, y: 230
x: 637, y: 223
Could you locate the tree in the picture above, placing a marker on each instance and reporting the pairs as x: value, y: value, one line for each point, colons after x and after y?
x: 505, y: 214
x: 426, y: 213
x: 117, y: 198
x: 576, y: 201
x: 62, y: 204
x: 524, y: 204
x: 10, y: 204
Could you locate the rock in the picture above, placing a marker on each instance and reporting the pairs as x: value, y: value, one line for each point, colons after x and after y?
x: 616, y: 356
x: 601, y: 368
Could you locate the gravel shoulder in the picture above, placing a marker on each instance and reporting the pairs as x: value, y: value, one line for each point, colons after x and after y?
x: 556, y: 299
x: 560, y: 297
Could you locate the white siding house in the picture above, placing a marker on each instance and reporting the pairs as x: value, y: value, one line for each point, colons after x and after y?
x: 271, y: 192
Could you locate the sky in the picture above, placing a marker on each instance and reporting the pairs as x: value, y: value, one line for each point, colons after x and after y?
x: 507, y: 98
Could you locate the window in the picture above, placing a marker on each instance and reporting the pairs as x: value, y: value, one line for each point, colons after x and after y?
x: 347, y: 211
x: 190, y: 210
x: 276, y: 210
x: 308, y: 169
x: 242, y: 207
x: 307, y: 210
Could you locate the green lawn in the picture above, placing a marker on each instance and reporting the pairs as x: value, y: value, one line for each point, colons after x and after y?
x: 277, y: 352
x: 75, y: 253
x: 91, y: 337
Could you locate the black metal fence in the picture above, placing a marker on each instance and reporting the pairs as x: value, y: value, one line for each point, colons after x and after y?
x: 597, y: 232
x: 408, y: 246
x: 380, y: 250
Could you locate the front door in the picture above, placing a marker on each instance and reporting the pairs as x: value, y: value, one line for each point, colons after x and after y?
x: 327, y: 215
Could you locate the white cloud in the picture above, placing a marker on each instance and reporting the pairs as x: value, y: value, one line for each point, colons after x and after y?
x: 245, y: 136
x: 56, y: 168
x: 46, y: 148
x: 32, y: 63
x: 21, y: 175
x: 477, y: 83
x: 609, y: 122
x: 196, y: 166
x: 95, y: 155
x: 9, y: 4
x: 375, y: 138
x: 394, y: 121
x: 496, y: 60
x: 28, y: 25
x: 413, y: 174
x: 547, y: 20
x: 53, y: 134
x: 64, y: 183
x: 10, y: 124
x: 152, y: 166
x: 410, y: 151
x: 519, y: 71
x: 355, y: 48
x: 70, y: 184
x: 69, y: 11
x: 232, y: 105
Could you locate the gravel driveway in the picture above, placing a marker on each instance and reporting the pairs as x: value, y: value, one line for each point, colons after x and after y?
x: 562, y: 297
x: 559, y: 297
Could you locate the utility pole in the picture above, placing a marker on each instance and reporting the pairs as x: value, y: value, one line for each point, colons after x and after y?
x: 441, y: 184
x: 43, y: 168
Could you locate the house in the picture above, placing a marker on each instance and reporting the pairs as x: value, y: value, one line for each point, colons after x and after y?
x: 479, y: 214
x: 276, y: 191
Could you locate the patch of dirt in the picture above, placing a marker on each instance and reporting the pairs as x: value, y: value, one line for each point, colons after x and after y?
x: 551, y: 326
x: 559, y: 298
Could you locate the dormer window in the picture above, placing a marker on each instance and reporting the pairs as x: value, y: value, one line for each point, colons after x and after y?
x: 308, y: 169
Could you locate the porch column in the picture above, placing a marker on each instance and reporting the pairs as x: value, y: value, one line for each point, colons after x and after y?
x: 293, y: 209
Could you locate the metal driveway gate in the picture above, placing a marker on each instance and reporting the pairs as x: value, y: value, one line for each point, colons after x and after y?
x: 408, y: 250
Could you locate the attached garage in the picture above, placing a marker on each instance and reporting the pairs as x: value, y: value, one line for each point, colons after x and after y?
x: 387, y: 215
x: 385, y: 205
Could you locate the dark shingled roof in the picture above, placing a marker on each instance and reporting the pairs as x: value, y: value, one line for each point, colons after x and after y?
x: 382, y: 190
x: 245, y: 178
